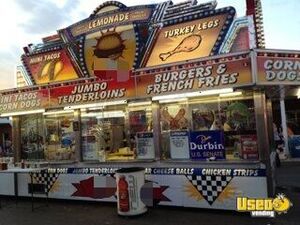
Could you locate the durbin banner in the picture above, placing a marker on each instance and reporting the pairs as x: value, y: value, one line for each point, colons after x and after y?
x: 50, y: 67
x: 200, y: 76
x: 91, y: 92
x: 278, y: 70
x: 24, y: 101
x: 207, y: 145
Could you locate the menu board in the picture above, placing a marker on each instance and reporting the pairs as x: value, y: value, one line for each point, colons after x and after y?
x: 145, y: 145
x: 249, y: 147
x: 179, y: 145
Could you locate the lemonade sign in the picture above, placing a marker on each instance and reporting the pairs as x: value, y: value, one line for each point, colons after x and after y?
x: 264, y: 207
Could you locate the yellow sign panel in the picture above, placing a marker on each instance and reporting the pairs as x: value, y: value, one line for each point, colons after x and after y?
x: 186, y: 41
x: 51, y: 67
x: 110, y: 50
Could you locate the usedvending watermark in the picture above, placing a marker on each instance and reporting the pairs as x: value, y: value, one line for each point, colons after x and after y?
x: 264, y: 207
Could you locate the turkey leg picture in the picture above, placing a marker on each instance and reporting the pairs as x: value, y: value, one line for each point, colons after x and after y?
x: 188, y: 44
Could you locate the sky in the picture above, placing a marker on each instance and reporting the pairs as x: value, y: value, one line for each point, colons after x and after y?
x: 23, y: 22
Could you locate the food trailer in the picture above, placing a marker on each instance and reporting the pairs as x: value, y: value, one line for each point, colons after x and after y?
x: 174, y: 88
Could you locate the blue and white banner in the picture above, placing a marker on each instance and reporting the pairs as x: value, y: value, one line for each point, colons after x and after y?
x: 237, y: 172
x: 207, y: 145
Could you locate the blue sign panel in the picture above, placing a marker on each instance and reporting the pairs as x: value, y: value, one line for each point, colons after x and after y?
x: 207, y: 145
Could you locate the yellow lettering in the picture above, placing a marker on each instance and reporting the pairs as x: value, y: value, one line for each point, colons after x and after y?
x: 108, y: 20
x: 241, y: 204
x: 260, y: 204
x: 251, y: 204
x: 268, y: 204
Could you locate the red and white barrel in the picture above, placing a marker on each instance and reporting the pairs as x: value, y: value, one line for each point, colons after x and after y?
x: 129, y: 184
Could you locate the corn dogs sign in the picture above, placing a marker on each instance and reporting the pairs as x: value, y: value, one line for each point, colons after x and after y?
x: 24, y: 101
x: 205, y: 76
x: 278, y: 70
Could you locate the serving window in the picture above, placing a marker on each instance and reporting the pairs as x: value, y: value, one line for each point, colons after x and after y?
x: 32, y: 138
x: 115, y: 132
x: 60, y: 136
x: 103, y: 134
x: 48, y: 137
x: 215, y: 127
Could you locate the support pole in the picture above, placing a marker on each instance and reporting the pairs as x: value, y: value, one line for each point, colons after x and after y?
x: 261, y: 119
x: 77, y: 131
x: 284, y: 127
x: 16, y: 138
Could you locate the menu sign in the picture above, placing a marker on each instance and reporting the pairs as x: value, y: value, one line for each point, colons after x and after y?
x: 211, y: 75
x: 190, y: 40
x: 49, y: 67
x: 179, y: 144
x: 111, y: 20
x: 249, y: 147
x: 24, y: 101
x: 207, y: 145
x: 91, y: 92
x: 145, y: 145
x: 278, y: 70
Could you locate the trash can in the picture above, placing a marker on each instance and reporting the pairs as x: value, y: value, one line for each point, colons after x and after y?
x: 129, y: 184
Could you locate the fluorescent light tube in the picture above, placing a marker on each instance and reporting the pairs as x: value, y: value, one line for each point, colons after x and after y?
x: 22, y: 113
x: 57, y: 112
x: 172, y: 96
x: 93, y: 105
x: 173, y: 100
x: 107, y: 114
x: 140, y: 103
x: 237, y: 93
x: 193, y: 94
x: 216, y: 91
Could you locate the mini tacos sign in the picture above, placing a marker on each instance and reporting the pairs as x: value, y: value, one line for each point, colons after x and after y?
x: 50, y: 67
